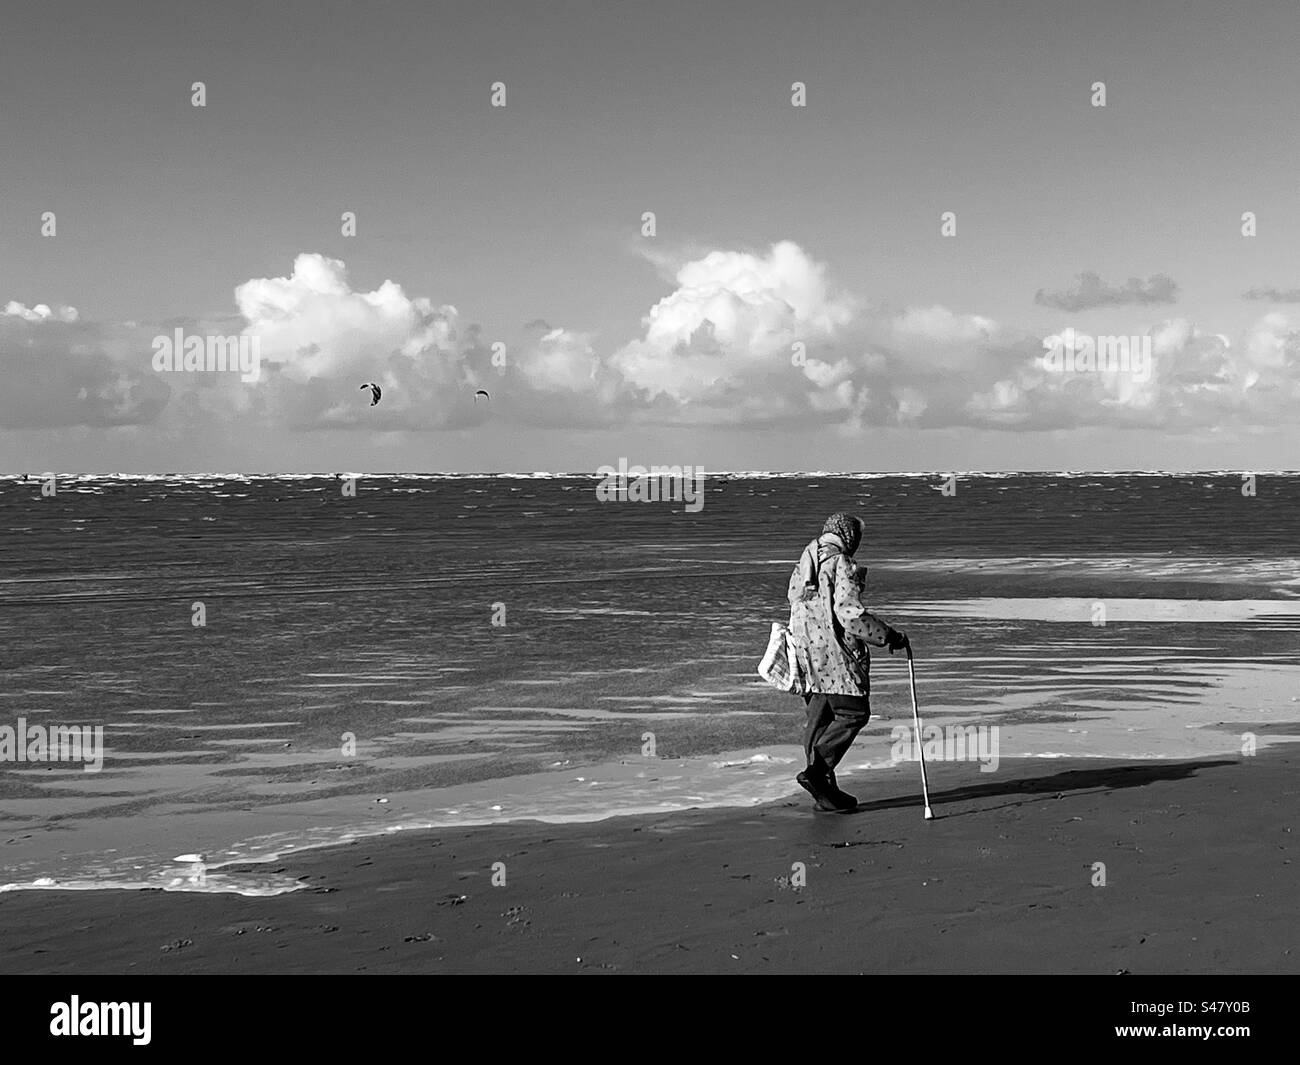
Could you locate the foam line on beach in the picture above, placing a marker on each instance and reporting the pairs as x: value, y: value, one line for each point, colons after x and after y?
x: 1119, y: 728
x: 1277, y: 573
x: 1080, y: 611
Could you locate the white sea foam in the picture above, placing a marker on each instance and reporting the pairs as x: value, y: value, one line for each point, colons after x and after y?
x: 1202, y: 722
x: 1080, y: 611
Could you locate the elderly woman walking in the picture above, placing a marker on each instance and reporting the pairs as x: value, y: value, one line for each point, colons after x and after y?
x: 829, y: 632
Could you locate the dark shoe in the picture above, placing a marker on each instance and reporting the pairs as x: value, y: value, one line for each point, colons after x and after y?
x: 830, y: 789
x: 845, y: 801
x: 814, y: 785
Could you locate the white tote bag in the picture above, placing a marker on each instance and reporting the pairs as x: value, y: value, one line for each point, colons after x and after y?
x: 779, y: 666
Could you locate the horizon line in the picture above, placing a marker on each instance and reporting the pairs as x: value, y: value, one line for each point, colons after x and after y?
x: 707, y: 473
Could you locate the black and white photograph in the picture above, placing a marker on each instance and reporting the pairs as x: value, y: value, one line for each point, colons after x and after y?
x: 668, y: 488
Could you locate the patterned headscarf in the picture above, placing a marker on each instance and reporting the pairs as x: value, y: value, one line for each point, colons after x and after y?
x: 847, y: 528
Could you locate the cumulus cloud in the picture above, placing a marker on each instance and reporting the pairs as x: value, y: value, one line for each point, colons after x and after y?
x: 59, y: 371
x: 1272, y: 295
x: 939, y: 326
x: 739, y: 338
x: 1089, y: 291
x: 721, y: 346
x: 1196, y: 380
x: 40, y: 313
x: 318, y: 336
x: 560, y: 361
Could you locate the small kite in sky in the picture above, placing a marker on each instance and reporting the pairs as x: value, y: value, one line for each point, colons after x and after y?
x: 481, y: 392
x: 375, y: 392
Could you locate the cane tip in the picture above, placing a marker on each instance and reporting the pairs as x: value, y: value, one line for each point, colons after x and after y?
x: 929, y: 814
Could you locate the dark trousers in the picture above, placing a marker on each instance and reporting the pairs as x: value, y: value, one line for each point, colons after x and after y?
x: 834, y: 722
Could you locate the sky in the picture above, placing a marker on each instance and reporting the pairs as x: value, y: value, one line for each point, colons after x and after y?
x: 797, y: 306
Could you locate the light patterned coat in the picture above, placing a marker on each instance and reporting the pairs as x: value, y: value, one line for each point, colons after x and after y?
x: 829, y: 627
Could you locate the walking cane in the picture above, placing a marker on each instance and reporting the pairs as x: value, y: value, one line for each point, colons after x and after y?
x: 916, y: 719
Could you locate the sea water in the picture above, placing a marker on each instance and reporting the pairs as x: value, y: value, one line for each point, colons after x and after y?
x: 278, y: 663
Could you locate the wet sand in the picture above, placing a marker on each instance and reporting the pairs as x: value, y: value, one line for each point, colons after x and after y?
x: 1199, y: 866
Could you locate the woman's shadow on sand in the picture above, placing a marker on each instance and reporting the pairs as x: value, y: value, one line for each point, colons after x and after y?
x: 1053, y: 786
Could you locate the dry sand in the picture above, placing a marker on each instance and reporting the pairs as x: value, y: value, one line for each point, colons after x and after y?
x: 1199, y: 866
